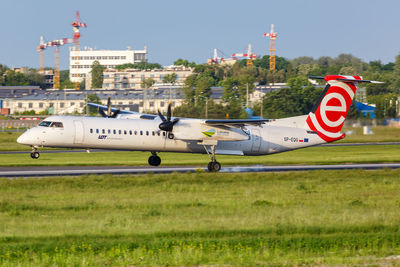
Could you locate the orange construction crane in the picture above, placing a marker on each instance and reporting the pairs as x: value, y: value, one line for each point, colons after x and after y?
x: 272, y: 35
x: 250, y: 56
x: 57, y: 43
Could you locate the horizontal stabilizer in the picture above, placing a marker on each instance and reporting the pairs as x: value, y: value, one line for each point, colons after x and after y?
x: 104, y: 108
x: 340, y: 78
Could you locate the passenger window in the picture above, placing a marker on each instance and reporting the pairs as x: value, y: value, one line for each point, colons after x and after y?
x: 130, y: 132
x: 152, y: 133
x: 119, y: 131
x: 158, y: 133
x: 125, y: 132
x: 135, y: 132
x: 109, y: 131
x: 147, y: 132
x: 91, y: 130
x: 104, y: 131
x: 97, y: 130
x: 163, y: 133
x: 115, y: 132
x: 141, y: 132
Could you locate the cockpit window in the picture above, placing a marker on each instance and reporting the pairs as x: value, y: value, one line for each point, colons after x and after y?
x: 57, y: 124
x: 45, y: 123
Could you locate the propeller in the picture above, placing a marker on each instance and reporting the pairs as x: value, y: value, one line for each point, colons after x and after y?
x: 166, y: 124
x: 110, y: 113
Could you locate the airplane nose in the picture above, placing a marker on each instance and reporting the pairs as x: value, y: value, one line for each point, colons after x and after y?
x: 23, y: 139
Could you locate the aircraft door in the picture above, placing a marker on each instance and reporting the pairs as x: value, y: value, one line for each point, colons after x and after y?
x: 79, y: 133
x: 255, y: 136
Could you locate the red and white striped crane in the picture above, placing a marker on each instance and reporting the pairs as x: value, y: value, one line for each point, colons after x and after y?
x: 76, y: 25
x: 250, y: 56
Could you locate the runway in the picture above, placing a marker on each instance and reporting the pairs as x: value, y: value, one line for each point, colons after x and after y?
x: 42, y: 171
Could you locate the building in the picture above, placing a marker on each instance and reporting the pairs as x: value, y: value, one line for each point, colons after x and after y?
x: 48, y: 78
x: 18, y: 91
x: 73, y: 101
x: 80, y: 61
x: 132, y: 78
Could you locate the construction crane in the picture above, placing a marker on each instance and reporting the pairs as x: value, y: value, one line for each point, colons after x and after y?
x: 216, y: 59
x: 40, y: 48
x: 250, y: 56
x: 56, y: 44
x: 76, y: 25
x: 272, y: 35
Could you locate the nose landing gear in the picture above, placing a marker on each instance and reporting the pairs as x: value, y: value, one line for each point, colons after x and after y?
x: 34, y: 153
x: 154, y: 160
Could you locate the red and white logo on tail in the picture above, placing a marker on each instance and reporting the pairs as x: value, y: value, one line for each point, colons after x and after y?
x: 328, y: 119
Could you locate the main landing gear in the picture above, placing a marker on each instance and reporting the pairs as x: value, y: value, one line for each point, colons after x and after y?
x: 154, y: 160
x: 213, y: 165
x: 34, y: 153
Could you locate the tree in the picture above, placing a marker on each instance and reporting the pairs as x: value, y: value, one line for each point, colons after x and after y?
x: 145, y: 85
x: 184, y: 62
x: 92, y: 98
x: 170, y: 78
x: 97, y: 74
x: 15, y: 78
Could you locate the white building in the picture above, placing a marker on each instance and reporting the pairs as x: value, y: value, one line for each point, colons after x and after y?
x: 80, y: 61
x: 132, y: 78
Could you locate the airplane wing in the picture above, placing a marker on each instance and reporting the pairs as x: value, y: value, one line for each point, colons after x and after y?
x: 236, y: 122
x: 105, y: 108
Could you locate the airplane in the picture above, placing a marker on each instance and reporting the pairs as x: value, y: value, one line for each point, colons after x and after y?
x: 126, y: 130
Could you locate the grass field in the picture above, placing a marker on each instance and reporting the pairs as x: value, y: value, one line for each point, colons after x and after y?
x: 313, y: 218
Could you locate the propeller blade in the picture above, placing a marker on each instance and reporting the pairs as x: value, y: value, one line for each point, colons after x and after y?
x: 115, y: 113
x: 109, y: 107
x: 169, y: 112
x: 175, y: 121
x: 102, y: 113
x: 161, y: 116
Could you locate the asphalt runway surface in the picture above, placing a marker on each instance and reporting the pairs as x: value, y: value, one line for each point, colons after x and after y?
x: 42, y: 171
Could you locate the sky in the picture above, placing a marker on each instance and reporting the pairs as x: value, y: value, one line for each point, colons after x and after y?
x: 368, y: 29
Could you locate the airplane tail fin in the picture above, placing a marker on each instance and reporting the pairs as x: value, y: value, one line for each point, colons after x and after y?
x: 329, y: 113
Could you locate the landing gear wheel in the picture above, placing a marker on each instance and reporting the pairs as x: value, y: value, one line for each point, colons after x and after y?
x: 154, y: 160
x: 214, y: 166
x: 35, y: 155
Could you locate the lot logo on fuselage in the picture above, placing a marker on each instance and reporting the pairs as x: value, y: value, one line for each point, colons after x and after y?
x: 102, y: 137
x: 209, y: 133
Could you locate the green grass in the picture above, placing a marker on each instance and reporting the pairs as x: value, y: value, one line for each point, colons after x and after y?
x: 318, y: 217
x: 380, y: 134
x: 312, y: 155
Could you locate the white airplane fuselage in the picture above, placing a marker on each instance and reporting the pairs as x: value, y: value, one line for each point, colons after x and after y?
x: 144, y: 135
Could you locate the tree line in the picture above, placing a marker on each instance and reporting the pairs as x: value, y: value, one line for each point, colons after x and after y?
x: 239, y: 79
x: 299, y: 96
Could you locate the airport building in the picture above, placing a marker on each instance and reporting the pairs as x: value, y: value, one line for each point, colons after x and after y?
x: 132, y: 78
x: 73, y: 101
x: 80, y: 63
